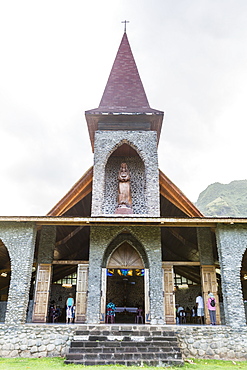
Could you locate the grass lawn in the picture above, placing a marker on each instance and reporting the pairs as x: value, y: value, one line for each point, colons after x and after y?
x: 57, y: 364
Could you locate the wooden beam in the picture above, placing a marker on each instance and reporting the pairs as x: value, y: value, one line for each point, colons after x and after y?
x: 180, y: 263
x: 68, y: 262
x: 64, y: 240
x: 127, y: 221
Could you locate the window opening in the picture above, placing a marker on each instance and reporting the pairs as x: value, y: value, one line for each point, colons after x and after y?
x: 67, y: 280
x: 181, y: 280
x: 125, y: 272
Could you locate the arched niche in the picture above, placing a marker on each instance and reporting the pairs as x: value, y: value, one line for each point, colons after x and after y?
x: 125, y: 257
x: 125, y: 153
x: 5, y: 275
x: 243, y: 275
x: 129, y: 239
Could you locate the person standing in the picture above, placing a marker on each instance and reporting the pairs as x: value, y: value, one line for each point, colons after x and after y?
x: 69, y: 308
x: 200, y: 308
x: 211, y: 305
x: 110, y: 312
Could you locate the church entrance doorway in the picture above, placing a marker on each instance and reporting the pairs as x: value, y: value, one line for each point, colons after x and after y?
x: 5, y: 274
x: 125, y: 285
x: 125, y: 288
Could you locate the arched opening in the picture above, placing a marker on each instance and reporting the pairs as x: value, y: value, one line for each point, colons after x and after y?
x: 244, y: 281
x: 125, y: 283
x: 5, y: 275
x: 125, y: 154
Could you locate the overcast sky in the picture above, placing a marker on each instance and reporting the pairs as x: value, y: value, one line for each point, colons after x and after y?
x: 55, y: 59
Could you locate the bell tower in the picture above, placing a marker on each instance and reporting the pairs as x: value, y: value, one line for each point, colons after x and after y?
x: 124, y: 132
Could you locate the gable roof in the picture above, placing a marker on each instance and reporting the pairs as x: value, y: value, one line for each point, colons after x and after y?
x: 84, y: 186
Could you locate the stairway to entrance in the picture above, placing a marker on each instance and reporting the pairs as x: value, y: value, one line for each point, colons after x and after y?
x: 125, y: 345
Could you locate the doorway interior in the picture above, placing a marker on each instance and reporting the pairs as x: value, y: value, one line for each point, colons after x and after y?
x: 125, y: 288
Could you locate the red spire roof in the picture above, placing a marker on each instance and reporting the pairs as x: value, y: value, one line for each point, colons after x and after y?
x: 124, y: 91
x: 124, y: 95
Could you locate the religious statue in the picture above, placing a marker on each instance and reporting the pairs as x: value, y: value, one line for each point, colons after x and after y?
x: 124, y: 193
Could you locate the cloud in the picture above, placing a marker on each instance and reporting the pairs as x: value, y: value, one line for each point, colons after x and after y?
x: 56, y: 58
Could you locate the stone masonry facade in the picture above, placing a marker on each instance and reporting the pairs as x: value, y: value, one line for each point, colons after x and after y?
x: 20, y: 339
x: 149, y: 241
x: 145, y: 144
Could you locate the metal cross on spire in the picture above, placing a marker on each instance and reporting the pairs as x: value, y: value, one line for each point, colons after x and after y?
x: 125, y: 22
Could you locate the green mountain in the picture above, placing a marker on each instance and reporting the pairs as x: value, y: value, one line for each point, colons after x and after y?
x: 224, y: 200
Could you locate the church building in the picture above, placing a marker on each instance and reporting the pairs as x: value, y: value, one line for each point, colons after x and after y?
x: 124, y: 233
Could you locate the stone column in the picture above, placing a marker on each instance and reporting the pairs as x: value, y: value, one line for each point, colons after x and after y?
x: 97, y: 249
x: 231, y: 243
x: 19, y: 239
x: 204, y: 240
x: 44, y: 273
x: 47, y: 244
x: 151, y: 240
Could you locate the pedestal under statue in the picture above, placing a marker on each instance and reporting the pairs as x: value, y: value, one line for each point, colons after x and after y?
x: 124, y: 193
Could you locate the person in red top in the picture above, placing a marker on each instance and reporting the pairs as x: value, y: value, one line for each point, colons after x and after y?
x: 211, y: 305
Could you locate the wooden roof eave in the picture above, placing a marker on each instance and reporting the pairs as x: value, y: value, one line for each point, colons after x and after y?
x: 79, y: 191
x: 171, y: 192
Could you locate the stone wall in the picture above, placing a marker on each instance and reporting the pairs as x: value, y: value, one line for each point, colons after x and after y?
x: 35, y: 340
x: 215, y: 342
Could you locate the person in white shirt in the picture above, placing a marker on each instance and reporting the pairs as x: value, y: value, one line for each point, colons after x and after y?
x: 200, y: 308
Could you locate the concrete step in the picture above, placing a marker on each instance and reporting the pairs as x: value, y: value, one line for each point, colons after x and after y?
x: 156, y: 363
x: 130, y: 333
x: 137, y: 356
x: 126, y: 346
x: 139, y: 338
x: 122, y: 349
x: 158, y: 344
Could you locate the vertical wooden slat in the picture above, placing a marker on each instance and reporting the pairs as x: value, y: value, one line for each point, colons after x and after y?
x: 103, y: 296
x: 169, y: 301
x: 147, y: 298
x: 42, y: 291
x: 209, y: 283
x: 81, y: 293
